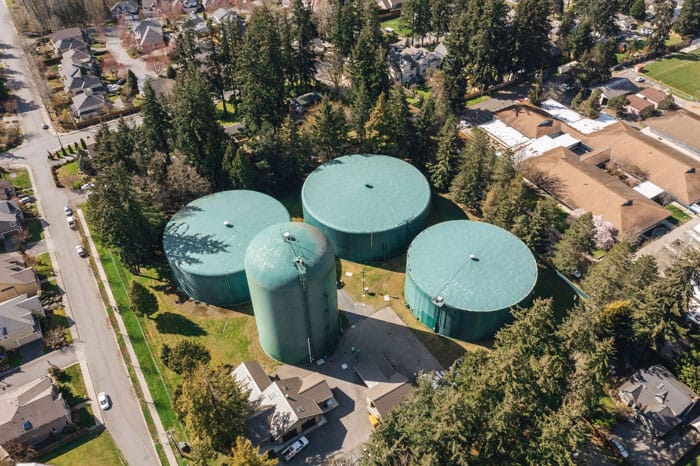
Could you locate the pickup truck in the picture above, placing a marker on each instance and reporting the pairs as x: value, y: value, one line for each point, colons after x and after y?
x: 292, y: 450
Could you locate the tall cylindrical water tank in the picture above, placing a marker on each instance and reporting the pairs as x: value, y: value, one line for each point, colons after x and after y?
x: 290, y: 269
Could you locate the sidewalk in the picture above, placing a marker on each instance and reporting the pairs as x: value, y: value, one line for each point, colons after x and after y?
x: 162, y: 436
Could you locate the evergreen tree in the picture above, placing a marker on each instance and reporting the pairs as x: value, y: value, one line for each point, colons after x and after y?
x: 619, y: 104
x: 688, y: 23
x: 491, y: 45
x: 531, y: 29
x: 600, y: 16
x: 132, y: 83
x: 260, y: 74
x: 156, y: 126
x: 447, y: 158
x: 170, y: 72
x: 591, y: 106
x: 186, y: 51
x: 440, y: 15
x: 470, y: 185
x: 543, y: 217
x: 663, y: 21
x: 212, y: 408
x: 368, y: 65
x: 239, y: 167
x: 346, y: 22
x: 594, y: 65
x: 142, y: 299
x: 360, y: 111
x: 327, y: 131
x: 243, y: 453
x: 638, y: 10
x: 416, y: 17
x: 198, y: 134
x: 185, y: 356
x: 303, y: 32
x: 574, y: 244
x: 504, y: 207
x: 388, y: 128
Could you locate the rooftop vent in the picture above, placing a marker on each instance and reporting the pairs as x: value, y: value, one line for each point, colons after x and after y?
x: 438, y: 301
x: 287, y: 236
x: 367, y: 185
x: 473, y: 257
x: 228, y: 224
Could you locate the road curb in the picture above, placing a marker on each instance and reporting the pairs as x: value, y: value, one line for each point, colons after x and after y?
x: 162, y: 436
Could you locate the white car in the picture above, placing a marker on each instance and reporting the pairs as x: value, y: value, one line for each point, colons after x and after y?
x: 81, y: 251
x: 292, y: 450
x: 620, y: 448
x: 639, y: 79
x: 68, y: 211
x: 71, y: 222
x: 105, y: 402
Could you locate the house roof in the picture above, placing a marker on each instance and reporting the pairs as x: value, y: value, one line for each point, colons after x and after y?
x: 251, y: 376
x: 77, y: 56
x: 680, y: 126
x: 580, y: 185
x: 9, y: 211
x: 17, y: 313
x: 125, y: 6
x: 661, y: 398
x: 653, y: 95
x: 87, y: 81
x: 151, y: 36
x: 638, y: 103
x: 140, y: 29
x: 652, y: 160
x: 30, y: 406
x: 71, y: 44
x: 87, y: 101
x: 387, y: 387
x: 70, y: 33
x: 13, y: 271
x: 617, y: 87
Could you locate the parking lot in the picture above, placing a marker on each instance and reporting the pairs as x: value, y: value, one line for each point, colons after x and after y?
x: 369, y: 331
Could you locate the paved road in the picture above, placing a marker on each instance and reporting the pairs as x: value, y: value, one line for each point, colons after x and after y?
x: 96, y: 340
x: 138, y: 66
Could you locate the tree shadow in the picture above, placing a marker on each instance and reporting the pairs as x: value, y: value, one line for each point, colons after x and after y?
x: 182, y: 247
x: 177, y: 324
x: 443, y: 209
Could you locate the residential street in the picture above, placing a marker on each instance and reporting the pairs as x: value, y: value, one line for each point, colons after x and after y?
x: 96, y: 342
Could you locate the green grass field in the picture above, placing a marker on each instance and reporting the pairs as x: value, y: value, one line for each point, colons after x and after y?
x: 91, y: 450
x: 681, y: 72
x: 396, y: 25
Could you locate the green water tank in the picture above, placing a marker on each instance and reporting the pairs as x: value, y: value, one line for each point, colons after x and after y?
x: 205, y: 243
x: 290, y: 269
x: 462, y: 278
x: 369, y: 206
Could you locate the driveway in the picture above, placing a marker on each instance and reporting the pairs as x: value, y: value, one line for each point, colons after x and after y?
x: 37, y: 368
x: 136, y: 65
x: 96, y: 341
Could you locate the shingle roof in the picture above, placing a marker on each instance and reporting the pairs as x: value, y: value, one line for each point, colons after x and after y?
x: 69, y: 33
x: 653, y: 95
x: 14, y: 271
x: 638, y: 103
x: 387, y: 387
x: 17, y: 314
x: 581, y: 185
x: 680, y: 126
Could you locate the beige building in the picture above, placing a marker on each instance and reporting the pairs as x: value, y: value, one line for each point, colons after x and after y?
x: 32, y: 413
x: 387, y: 387
x: 15, y: 277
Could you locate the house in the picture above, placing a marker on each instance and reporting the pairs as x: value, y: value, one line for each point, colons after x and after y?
x: 197, y: 22
x: 10, y: 218
x: 149, y: 7
x: 211, y: 5
x: 16, y: 278
x: 7, y: 191
x: 127, y: 9
x: 387, y: 387
x: 637, y: 105
x: 148, y: 35
x: 32, y: 413
x: 653, y: 95
x: 187, y: 6
x: 387, y: 5
x: 410, y: 64
x: 581, y: 185
x: 88, y: 104
x: 615, y: 88
x: 68, y: 39
x: 18, y: 321
x: 221, y: 15
x: 663, y: 403
x: 624, y: 22
x: 76, y: 85
x: 285, y: 408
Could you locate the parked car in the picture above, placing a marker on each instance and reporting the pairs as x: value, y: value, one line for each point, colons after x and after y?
x: 81, y: 251
x: 68, y: 211
x: 105, y: 402
x: 620, y: 448
x: 639, y: 79
x: 25, y: 200
x: 292, y: 450
x: 71, y: 221
x: 44, y: 126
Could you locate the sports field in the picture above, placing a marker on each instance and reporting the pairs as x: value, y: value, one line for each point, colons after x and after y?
x: 680, y: 72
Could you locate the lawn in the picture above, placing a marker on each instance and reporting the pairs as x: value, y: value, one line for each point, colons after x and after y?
x: 476, y: 100
x: 43, y: 266
x: 680, y: 71
x: 72, y: 385
x: 230, y: 116
x: 19, y: 179
x: 396, y: 25
x: 678, y: 217
x: 69, y: 177
x: 35, y: 229
x: 91, y: 450
x: 230, y: 335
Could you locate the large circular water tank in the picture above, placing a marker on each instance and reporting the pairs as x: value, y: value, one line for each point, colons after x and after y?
x: 369, y: 206
x: 291, y: 276
x: 463, y: 277
x: 206, y: 240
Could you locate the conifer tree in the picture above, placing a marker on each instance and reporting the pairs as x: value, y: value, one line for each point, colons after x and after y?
x: 443, y: 170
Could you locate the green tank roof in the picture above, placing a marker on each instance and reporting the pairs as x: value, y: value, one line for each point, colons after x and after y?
x: 365, y: 193
x: 279, y: 254
x: 472, y: 266
x: 209, y: 236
